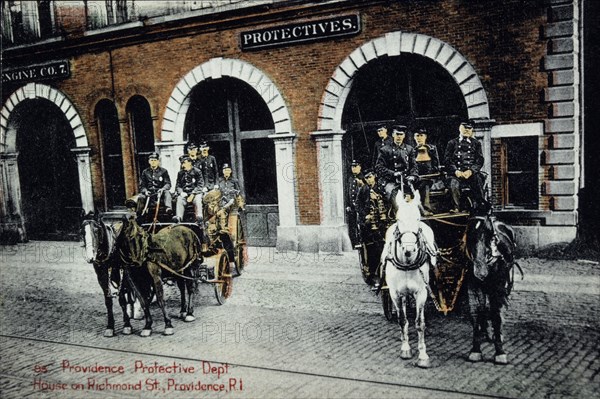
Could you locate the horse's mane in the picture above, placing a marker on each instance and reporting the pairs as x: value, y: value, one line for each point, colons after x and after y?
x: 408, y: 215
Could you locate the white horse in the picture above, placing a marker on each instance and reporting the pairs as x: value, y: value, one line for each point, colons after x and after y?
x: 407, y: 255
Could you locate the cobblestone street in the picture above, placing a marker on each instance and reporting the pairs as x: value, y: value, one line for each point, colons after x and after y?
x: 297, y: 325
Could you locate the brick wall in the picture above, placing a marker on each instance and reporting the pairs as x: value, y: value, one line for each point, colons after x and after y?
x: 500, y: 39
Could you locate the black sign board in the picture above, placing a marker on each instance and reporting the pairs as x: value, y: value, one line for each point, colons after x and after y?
x: 345, y: 25
x: 53, y: 70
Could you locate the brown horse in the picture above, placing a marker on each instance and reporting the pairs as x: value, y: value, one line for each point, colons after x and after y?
x: 100, y: 241
x: 490, y: 246
x: 174, y: 252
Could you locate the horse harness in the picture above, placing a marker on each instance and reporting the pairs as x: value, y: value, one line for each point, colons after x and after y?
x: 423, y: 253
x: 109, y: 233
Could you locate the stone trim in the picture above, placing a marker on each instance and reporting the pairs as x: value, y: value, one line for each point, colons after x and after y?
x: 393, y: 44
x: 33, y: 91
x: 562, y: 128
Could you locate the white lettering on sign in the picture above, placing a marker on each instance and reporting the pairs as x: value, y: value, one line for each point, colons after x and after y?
x: 36, y: 72
x: 300, y: 32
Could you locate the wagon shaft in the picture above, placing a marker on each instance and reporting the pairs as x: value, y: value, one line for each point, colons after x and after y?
x: 447, y: 283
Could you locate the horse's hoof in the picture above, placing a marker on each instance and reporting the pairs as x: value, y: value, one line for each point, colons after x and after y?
x: 405, y: 354
x: 126, y: 330
x: 424, y: 363
x: 475, y: 356
x: 189, y: 318
x: 145, y: 333
x: 501, y: 359
x: 169, y: 331
x: 138, y: 315
x: 109, y: 332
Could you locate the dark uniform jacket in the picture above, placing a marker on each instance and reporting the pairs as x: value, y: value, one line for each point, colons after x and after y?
x: 355, y: 182
x: 209, y: 171
x: 463, y: 154
x: 379, y: 144
x: 395, y: 158
x: 189, y: 181
x: 230, y: 188
x: 427, y: 167
x: 197, y: 163
x: 153, y: 180
x: 364, y: 205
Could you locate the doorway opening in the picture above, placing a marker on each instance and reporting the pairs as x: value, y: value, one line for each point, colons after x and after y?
x: 48, y: 174
x: 234, y: 120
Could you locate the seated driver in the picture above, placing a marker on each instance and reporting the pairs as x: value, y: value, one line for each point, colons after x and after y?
x: 464, y: 160
x: 428, y: 164
x: 188, y: 190
x: 154, y: 182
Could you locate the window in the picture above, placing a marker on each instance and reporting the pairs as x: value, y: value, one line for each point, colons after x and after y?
x: 102, y: 13
x: 27, y: 21
x: 142, y: 131
x: 519, y: 157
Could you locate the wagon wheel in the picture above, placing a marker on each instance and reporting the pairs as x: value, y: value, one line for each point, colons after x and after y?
x: 388, y: 306
x: 241, y: 251
x: 224, y: 286
x: 238, y: 239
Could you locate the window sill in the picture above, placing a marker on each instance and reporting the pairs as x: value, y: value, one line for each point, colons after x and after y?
x: 41, y: 42
x: 113, y: 28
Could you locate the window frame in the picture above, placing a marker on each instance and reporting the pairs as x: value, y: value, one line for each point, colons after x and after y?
x: 515, y: 131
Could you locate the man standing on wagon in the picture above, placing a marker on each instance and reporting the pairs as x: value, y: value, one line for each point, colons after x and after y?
x: 396, y: 164
x: 188, y: 190
x: 464, y: 160
x: 210, y: 172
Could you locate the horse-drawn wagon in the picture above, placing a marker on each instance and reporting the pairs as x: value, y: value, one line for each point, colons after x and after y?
x: 140, y: 252
x: 471, y: 247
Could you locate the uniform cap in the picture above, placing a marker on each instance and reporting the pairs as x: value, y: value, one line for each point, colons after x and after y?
x: 204, y: 145
x: 191, y: 146
x: 369, y: 172
x: 153, y: 155
x: 467, y: 124
x: 355, y: 162
x: 184, y: 158
x: 399, y: 128
x: 226, y: 166
x: 421, y: 131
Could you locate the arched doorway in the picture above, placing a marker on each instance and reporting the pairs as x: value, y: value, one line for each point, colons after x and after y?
x: 233, y: 118
x: 112, y: 154
x: 408, y: 89
x: 48, y: 174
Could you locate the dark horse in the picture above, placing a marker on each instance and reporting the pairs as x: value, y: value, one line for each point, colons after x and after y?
x: 100, y: 241
x: 174, y: 252
x: 490, y: 246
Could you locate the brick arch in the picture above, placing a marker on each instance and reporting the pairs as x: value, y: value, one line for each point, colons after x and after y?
x: 215, y: 68
x: 394, y: 44
x: 33, y: 91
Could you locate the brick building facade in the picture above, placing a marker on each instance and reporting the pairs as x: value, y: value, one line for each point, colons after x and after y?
x: 514, y: 68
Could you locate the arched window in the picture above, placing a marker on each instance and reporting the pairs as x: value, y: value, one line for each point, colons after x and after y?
x: 112, y: 154
x: 142, y: 131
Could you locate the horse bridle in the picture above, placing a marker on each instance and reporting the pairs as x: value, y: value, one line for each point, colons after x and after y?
x: 103, y: 238
x: 492, y: 257
x: 422, y: 253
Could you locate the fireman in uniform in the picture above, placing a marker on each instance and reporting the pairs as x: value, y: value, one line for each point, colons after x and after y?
x: 188, y: 190
x: 464, y: 160
x: 230, y: 191
x: 154, y: 180
x: 428, y: 163
x: 384, y: 141
x: 355, y: 182
x: 192, y: 151
x: 396, y: 165
x: 210, y: 172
